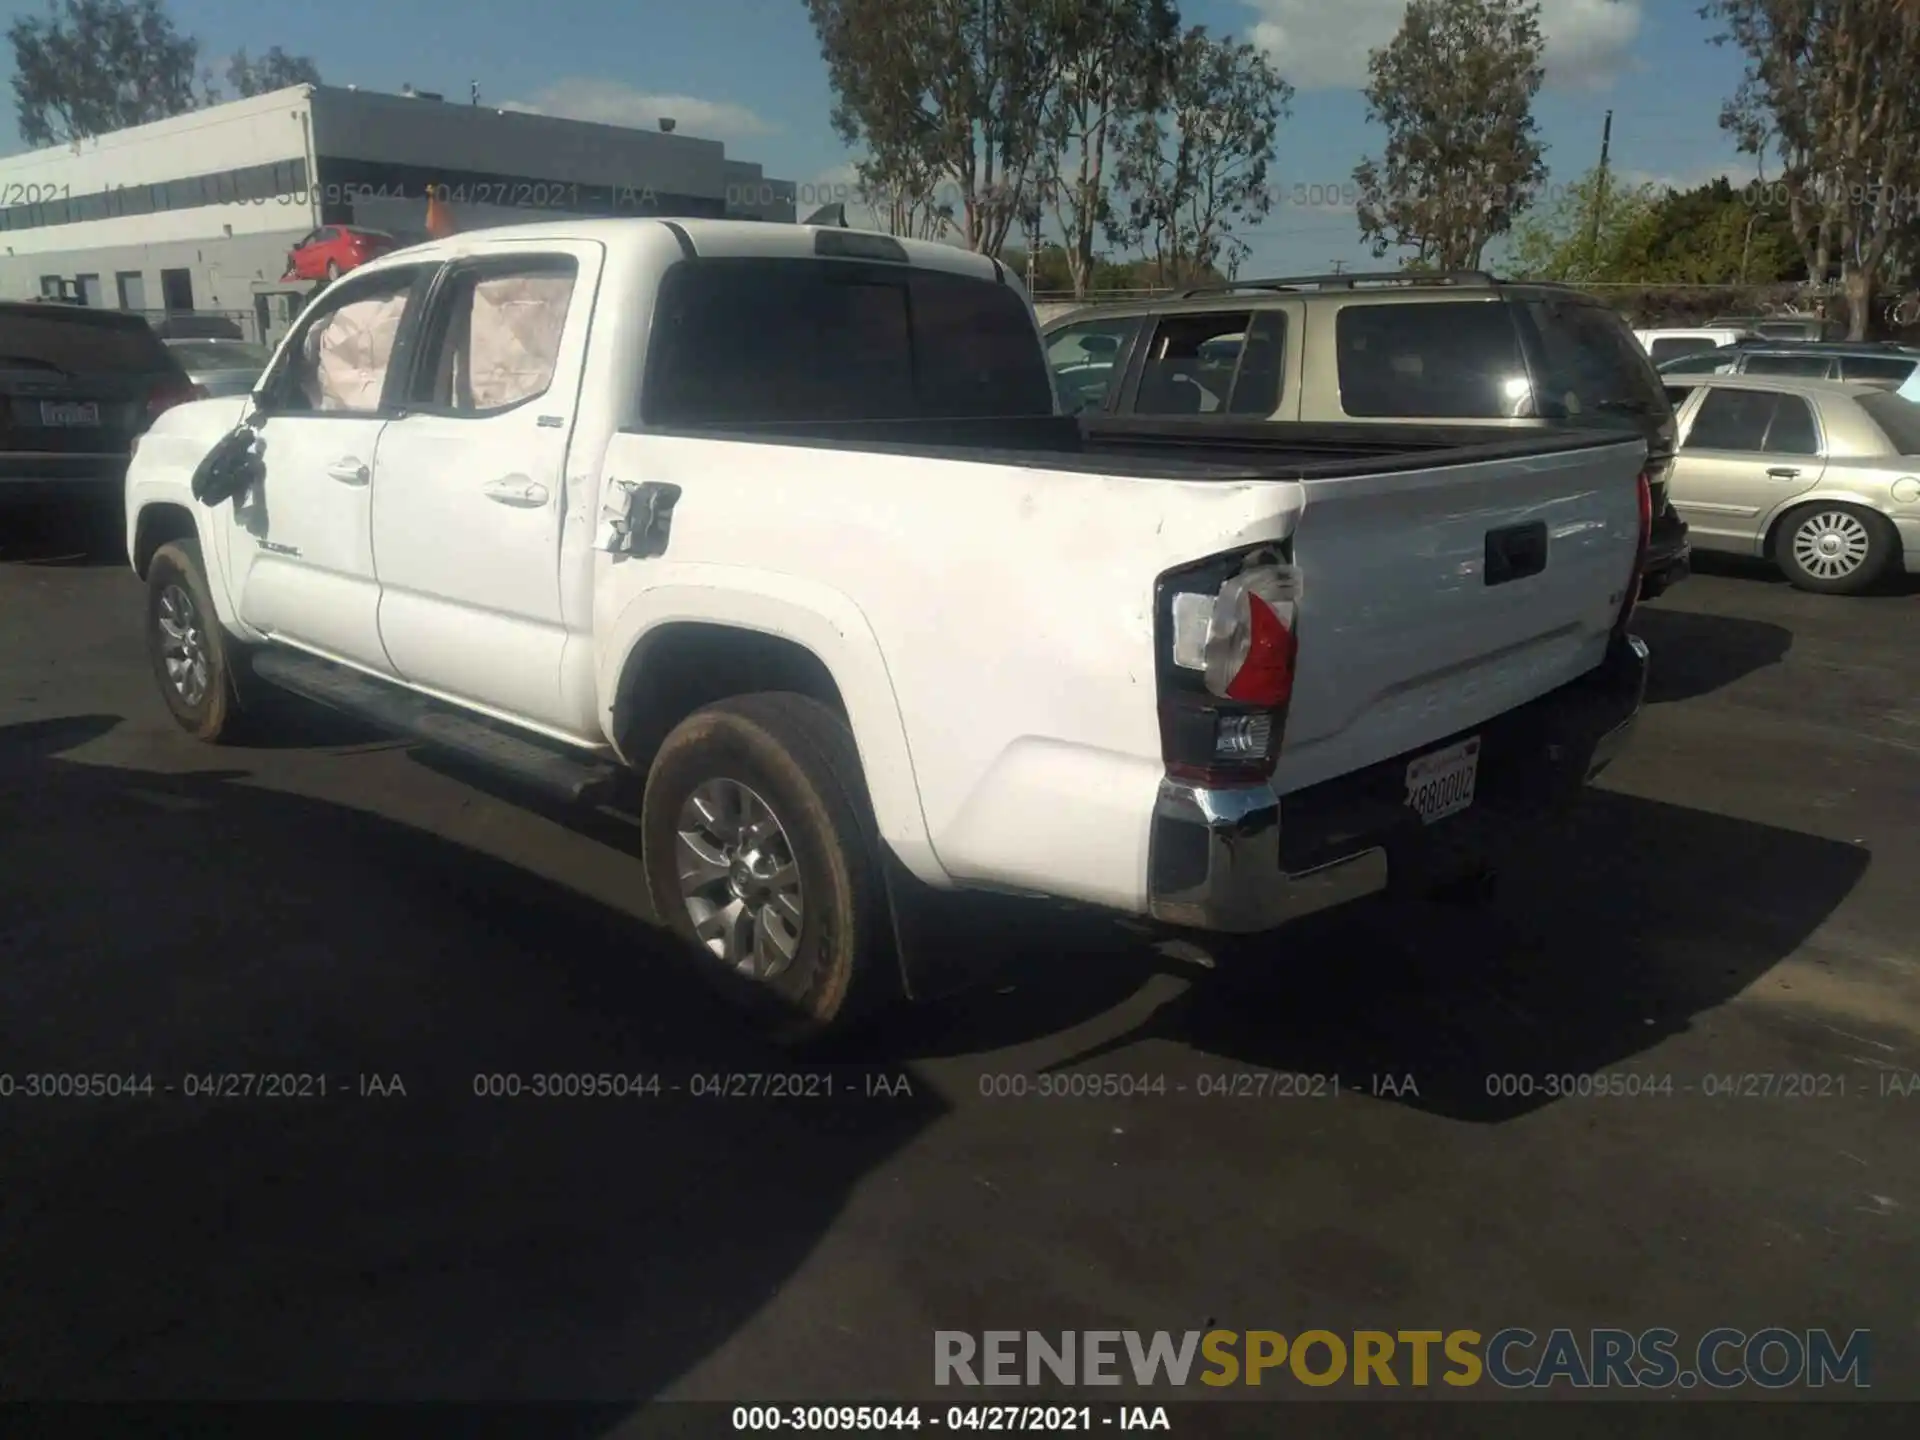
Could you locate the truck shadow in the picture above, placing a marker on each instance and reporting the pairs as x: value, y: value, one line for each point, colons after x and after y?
x: 1614, y: 932
x: 1695, y: 654
x: 1613, y: 929
x: 402, y: 1237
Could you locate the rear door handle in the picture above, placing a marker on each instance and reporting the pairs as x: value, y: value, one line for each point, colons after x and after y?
x: 516, y: 490
x: 349, y: 471
x: 1783, y: 472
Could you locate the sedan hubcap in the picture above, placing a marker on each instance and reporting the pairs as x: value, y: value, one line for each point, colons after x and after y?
x: 183, y: 645
x: 1831, y: 546
x: 738, y: 878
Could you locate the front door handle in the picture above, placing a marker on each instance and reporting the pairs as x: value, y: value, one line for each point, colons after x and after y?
x: 516, y: 490
x: 349, y: 471
x: 1784, y: 472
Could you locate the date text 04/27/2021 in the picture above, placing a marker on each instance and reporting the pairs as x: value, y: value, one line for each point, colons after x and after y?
x: 905, y: 1419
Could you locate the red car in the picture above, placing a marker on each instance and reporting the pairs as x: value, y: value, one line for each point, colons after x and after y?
x: 332, y: 250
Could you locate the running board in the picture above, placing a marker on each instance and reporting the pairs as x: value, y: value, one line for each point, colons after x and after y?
x: 575, y: 779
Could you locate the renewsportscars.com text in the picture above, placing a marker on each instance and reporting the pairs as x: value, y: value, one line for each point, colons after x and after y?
x: 1512, y: 1358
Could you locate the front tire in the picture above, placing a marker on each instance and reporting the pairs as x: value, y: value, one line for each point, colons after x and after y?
x: 760, y: 854
x: 1833, y: 549
x: 193, y: 657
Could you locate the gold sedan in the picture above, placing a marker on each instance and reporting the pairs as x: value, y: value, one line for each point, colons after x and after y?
x: 1820, y: 476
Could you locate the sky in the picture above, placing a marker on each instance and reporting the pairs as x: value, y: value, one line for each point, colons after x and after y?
x: 748, y: 72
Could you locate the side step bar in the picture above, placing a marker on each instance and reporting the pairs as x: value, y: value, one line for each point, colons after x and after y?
x: 576, y: 779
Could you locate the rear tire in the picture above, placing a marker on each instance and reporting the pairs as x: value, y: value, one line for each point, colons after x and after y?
x: 760, y: 853
x: 1834, y: 549
x: 193, y: 656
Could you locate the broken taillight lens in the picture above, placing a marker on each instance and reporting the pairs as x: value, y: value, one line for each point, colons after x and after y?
x: 1227, y: 667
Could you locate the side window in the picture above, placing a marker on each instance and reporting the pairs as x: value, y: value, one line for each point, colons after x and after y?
x: 1814, y: 367
x: 1257, y: 385
x: 1190, y: 364
x: 1793, y: 431
x: 338, y: 363
x: 1672, y: 347
x: 1084, y: 359
x: 1452, y: 360
x: 1678, y: 395
x: 1731, y: 419
x: 494, y: 335
x: 1875, y: 367
x: 326, y: 233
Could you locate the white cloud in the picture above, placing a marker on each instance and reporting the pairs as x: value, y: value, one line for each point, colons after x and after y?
x: 1321, y: 46
x: 1739, y: 172
x: 608, y: 102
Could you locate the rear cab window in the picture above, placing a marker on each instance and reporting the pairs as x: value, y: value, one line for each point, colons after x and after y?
x: 762, y: 340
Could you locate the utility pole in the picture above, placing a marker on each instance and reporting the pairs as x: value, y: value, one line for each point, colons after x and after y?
x: 1600, y: 192
x: 1339, y: 266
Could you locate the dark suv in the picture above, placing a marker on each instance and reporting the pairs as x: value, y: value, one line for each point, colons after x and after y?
x: 1427, y: 349
x: 76, y: 386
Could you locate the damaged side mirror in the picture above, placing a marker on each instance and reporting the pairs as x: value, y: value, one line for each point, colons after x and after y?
x: 233, y: 465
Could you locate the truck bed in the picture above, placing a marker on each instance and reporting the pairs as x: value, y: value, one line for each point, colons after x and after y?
x: 1166, y: 448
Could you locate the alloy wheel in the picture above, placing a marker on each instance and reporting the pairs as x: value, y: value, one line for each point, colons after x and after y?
x: 738, y: 878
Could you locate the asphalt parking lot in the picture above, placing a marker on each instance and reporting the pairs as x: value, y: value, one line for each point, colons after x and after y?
x: 1738, y: 899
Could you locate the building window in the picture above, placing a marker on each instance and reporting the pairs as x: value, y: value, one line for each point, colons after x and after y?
x: 133, y: 289
x: 176, y: 289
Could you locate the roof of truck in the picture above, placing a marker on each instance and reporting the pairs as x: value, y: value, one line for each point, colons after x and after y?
x: 709, y: 239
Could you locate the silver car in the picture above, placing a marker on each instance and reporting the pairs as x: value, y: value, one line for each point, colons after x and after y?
x: 221, y: 367
x: 1820, y: 476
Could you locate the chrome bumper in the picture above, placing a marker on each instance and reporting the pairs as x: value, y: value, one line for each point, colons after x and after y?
x: 1213, y: 859
x: 1214, y: 863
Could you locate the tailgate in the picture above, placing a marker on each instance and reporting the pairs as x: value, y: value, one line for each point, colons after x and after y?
x: 1434, y: 600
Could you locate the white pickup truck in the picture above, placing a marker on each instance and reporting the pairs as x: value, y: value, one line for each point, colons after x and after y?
x: 781, y: 519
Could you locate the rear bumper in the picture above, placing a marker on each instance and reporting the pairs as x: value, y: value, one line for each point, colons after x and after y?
x: 1669, y: 555
x: 1243, y: 860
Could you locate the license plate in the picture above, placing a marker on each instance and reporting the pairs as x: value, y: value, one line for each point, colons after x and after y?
x: 69, y: 412
x: 1441, y: 783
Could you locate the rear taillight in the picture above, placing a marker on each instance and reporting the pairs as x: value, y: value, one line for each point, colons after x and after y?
x: 1640, y: 556
x: 1228, y: 651
x: 169, y: 393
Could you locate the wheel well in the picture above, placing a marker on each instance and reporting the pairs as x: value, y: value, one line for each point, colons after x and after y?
x: 686, y: 665
x: 160, y: 525
x: 1780, y: 520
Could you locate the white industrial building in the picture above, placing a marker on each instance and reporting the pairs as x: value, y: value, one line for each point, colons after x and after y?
x: 198, y: 212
